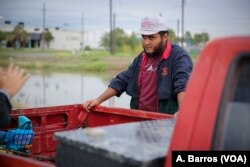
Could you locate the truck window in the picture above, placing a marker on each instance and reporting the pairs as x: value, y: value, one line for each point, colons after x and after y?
x: 232, y: 127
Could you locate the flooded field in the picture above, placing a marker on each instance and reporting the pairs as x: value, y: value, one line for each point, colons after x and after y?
x: 61, y: 89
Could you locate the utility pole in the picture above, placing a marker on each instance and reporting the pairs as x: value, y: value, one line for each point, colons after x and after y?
x: 182, y: 22
x: 111, y: 33
x: 44, y: 10
x: 82, y: 31
x: 178, y: 28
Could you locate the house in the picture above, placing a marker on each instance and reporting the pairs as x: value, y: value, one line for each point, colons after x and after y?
x: 35, y: 40
x: 64, y: 39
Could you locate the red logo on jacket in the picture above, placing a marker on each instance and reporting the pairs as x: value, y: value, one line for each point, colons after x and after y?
x: 164, y: 71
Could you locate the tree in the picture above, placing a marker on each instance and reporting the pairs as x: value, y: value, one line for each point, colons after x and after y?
x: 201, y: 38
x: 172, y: 36
x: 205, y: 37
x: 197, y: 39
x: 2, y: 37
x: 48, y: 37
x: 120, y: 38
x: 188, y: 38
x: 122, y: 42
x: 188, y: 35
x: 87, y: 48
x: 133, y: 42
x: 18, y: 37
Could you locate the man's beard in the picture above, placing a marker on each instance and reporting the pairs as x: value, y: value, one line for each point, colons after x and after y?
x: 157, y: 52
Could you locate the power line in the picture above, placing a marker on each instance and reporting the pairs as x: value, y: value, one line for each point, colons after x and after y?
x: 44, y: 15
x: 82, y: 31
x: 111, y: 26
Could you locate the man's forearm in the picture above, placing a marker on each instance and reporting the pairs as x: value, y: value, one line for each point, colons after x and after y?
x: 108, y: 93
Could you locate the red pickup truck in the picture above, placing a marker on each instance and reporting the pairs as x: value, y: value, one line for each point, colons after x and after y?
x: 214, y: 116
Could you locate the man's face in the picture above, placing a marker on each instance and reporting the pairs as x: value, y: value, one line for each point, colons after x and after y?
x: 153, y: 44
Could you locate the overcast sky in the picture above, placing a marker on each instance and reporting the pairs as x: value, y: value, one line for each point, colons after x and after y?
x: 217, y: 17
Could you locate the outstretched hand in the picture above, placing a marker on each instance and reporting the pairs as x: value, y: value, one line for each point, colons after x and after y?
x: 13, y: 79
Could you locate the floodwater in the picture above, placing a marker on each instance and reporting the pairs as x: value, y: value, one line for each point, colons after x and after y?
x: 42, y: 90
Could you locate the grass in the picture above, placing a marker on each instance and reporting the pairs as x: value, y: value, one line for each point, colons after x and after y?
x: 95, y: 61
x: 63, y: 61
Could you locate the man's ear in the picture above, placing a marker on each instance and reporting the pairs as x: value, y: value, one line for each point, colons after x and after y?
x: 165, y: 37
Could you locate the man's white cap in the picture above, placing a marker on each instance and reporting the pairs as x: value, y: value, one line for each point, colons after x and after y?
x: 152, y: 25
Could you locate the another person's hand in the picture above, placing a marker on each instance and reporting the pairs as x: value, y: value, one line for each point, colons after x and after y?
x: 12, y: 79
x: 90, y: 104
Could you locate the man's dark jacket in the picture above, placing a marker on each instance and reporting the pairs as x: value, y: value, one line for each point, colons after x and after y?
x: 172, y: 76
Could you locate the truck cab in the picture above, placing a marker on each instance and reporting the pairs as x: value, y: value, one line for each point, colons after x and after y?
x: 215, y: 114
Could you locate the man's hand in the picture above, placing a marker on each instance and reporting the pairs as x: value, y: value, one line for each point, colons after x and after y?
x: 12, y: 79
x: 108, y: 93
x: 176, y: 114
x: 90, y: 104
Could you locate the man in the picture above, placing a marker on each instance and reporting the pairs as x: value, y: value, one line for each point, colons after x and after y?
x: 157, y: 78
x: 11, y: 82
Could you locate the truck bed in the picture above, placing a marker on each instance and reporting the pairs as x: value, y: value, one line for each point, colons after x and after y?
x: 48, y: 120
